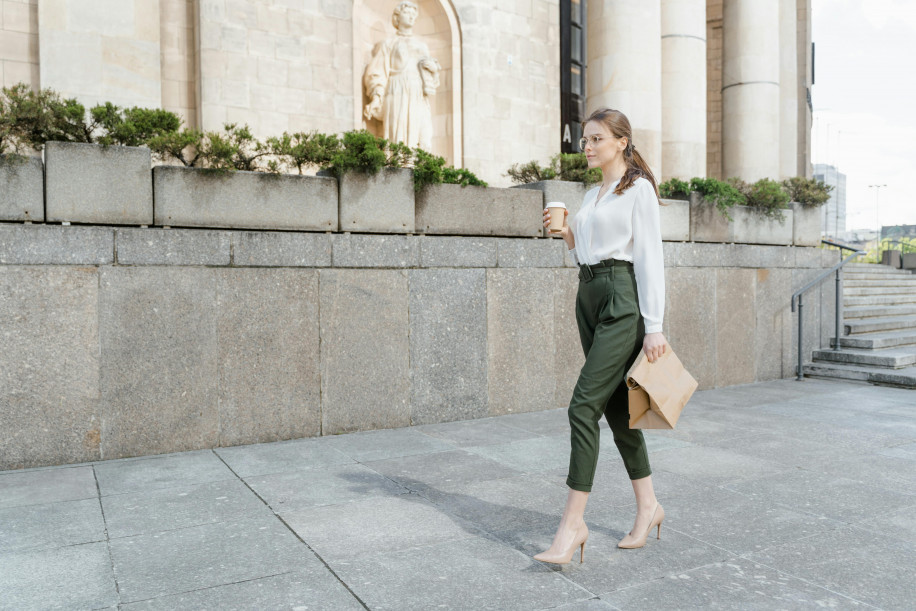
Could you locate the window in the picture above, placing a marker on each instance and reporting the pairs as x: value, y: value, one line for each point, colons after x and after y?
x: 572, y: 72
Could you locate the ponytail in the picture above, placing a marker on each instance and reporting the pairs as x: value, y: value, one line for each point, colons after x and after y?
x: 636, y: 167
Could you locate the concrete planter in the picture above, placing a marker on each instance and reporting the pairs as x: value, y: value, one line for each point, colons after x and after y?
x: 570, y: 193
x: 806, y: 224
x: 747, y: 226
x: 22, y: 196
x: 457, y: 210
x: 377, y: 203
x: 89, y: 183
x: 893, y: 258
x: 908, y: 260
x: 675, y: 220
x: 191, y: 197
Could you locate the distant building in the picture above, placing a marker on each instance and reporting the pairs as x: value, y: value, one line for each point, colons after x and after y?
x: 898, y: 231
x: 833, y: 222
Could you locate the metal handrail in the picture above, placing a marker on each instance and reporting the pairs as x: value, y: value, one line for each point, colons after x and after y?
x: 907, y: 245
x: 798, y: 295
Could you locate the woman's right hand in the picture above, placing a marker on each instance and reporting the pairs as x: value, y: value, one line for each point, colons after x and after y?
x: 565, y: 232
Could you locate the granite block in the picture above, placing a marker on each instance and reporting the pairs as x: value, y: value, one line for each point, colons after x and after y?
x: 22, y: 195
x: 739, y: 255
x: 773, y: 331
x: 191, y: 197
x: 89, y: 183
x: 570, y: 193
x: 806, y: 224
x: 281, y: 249
x: 199, y: 557
x: 514, y: 252
x: 352, y: 250
x: 158, y: 472
x: 159, y: 360
x: 280, y: 457
x: 735, y: 324
x: 365, y: 368
x: 691, y: 319
x: 456, y: 210
x: 141, y: 246
x: 775, y: 256
x: 267, y: 325
x: 752, y: 227
x: 21, y: 488
x: 669, y: 252
x: 49, y: 366
x: 810, y: 257
x: 520, y: 343
x: 698, y: 254
x: 56, y: 245
x: 457, y: 251
x: 73, y: 577
x: 448, y: 344
x: 35, y: 527
x: 675, y: 220
x: 707, y: 224
x: 568, y: 354
x: 379, y: 203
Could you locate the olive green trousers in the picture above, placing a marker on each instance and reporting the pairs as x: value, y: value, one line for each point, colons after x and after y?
x: 612, y: 330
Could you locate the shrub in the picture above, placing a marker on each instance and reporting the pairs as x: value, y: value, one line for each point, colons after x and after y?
x: 530, y: 172
x: 572, y: 167
x: 360, y: 151
x: 807, y: 191
x: 675, y: 188
x: 30, y: 118
x: 301, y: 150
x: 766, y: 196
x: 132, y: 126
x: 184, y: 145
x: 717, y: 192
x: 430, y: 169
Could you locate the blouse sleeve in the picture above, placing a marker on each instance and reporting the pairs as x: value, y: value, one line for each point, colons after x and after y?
x: 648, y: 258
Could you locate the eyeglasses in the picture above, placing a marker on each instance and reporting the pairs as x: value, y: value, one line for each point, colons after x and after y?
x: 595, y: 140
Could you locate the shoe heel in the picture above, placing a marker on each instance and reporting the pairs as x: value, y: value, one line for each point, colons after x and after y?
x: 658, y: 534
x: 582, y: 553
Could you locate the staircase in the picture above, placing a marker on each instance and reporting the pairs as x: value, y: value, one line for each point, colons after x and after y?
x: 879, y: 329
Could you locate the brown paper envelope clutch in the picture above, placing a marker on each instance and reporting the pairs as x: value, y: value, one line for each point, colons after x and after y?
x: 658, y: 391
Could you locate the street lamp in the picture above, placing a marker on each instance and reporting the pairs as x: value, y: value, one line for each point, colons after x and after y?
x: 877, y: 189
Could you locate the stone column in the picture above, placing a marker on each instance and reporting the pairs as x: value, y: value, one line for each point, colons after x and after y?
x: 683, y: 28
x: 624, y: 68
x: 750, y: 89
x: 788, y: 88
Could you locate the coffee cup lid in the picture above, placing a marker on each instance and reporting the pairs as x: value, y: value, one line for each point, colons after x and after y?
x: 555, y: 205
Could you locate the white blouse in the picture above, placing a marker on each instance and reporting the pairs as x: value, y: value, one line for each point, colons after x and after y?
x: 626, y: 227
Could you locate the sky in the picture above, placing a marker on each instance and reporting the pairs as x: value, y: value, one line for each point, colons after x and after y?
x: 864, y: 99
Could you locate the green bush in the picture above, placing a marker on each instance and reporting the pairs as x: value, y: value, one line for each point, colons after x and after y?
x: 30, y: 118
x: 807, y: 191
x: 675, y: 188
x: 720, y: 193
x: 360, y: 151
x: 430, y: 169
x: 766, y: 197
x: 184, y: 146
x: 132, y: 126
x: 300, y: 150
x: 571, y: 167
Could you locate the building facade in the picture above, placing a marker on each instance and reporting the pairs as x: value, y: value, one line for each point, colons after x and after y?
x: 712, y: 87
x: 834, y: 219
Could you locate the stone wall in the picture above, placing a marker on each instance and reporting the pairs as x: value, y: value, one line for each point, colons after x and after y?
x: 19, y: 42
x: 133, y: 341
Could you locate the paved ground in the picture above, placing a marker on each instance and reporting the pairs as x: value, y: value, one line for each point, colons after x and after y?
x: 778, y: 495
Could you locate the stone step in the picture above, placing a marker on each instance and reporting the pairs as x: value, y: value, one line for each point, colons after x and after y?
x: 872, y: 268
x: 878, y: 311
x: 875, y: 341
x: 860, y: 291
x: 893, y: 358
x: 865, y: 283
x: 881, y: 323
x: 905, y: 377
x: 874, y: 300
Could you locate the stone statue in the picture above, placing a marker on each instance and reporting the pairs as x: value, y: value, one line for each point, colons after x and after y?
x: 399, y: 79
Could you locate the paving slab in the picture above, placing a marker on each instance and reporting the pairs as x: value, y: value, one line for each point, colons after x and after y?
x: 376, y: 445
x: 712, y: 465
x: 46, y: 486
x: 138, y: 513
x: 282, y: 456
x: 529, y: 455
x: 329, y: 486
x: 166, y: 471
x: 171, y: 562
x: 72, y: 577
x: 312, y: 587
x: 35, y: 527
x: 441, y: 470
x: 853, y: 562
x: 482, y: 432
x: 341, y: 533
x: 735, y: 584
x: 475, y: 573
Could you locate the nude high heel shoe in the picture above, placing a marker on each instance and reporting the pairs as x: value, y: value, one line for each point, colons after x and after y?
x: 566, y: 556
x: 657, y: 517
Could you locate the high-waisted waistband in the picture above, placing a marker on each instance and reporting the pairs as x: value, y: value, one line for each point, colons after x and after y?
x: 587, y: 272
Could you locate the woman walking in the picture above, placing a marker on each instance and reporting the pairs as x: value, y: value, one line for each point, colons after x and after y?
x: 616, y: 240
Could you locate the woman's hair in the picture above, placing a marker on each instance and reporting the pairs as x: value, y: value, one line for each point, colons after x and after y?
x: 617, y: 123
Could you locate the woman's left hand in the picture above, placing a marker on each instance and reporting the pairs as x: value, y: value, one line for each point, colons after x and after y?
x: 654, y: 345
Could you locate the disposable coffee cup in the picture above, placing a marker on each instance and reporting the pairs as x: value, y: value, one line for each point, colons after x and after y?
x: 556, y: 216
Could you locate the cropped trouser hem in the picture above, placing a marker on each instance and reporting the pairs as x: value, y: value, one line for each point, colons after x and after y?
x: 579, y: 487
x: 640, y: 473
